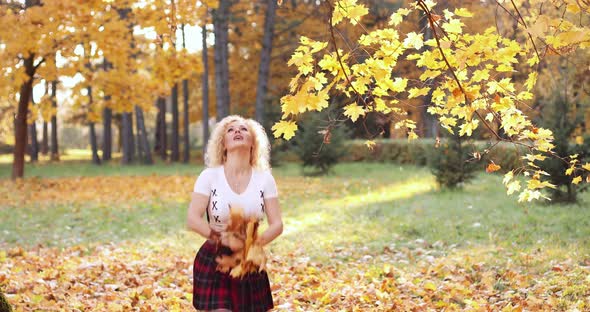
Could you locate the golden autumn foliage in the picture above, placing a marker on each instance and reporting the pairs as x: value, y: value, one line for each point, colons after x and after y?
x: 468, y: 75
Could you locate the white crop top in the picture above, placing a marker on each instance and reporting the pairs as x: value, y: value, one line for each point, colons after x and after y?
x: 213, y: 183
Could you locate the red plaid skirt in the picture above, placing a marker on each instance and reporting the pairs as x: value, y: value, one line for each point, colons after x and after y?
x: 215, y: 290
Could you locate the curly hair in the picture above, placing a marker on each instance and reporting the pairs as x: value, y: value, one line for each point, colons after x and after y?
x: 259, y: 155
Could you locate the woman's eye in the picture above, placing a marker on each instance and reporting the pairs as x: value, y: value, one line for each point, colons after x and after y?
x: 244, y: 129
x: 230, y: 129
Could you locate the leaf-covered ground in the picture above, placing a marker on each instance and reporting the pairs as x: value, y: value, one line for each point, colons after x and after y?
x: 370, y: 237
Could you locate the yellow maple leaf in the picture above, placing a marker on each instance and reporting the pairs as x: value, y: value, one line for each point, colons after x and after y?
x: 412, y: 135
x: 531, y: 80
x: 512, y: 187
x: 468, y: 127
x: 397, y: 17
x: 577, y: 180
x: 370, y: 144
x: 414, y: 40
x: 285, y: 128
x: 463, y: 12
x: 348, y: 9
x: 570, y: 170
x: 453, y: 26
x: 399, y: 84
x: 416, y: 92
x: 353, y: 111
x: 480, y: 74
x: 586, y: 166
x: 508, y: 177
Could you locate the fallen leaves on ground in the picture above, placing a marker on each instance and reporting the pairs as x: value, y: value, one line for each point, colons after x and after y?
x: 126, y: 190
x: 157, y: 277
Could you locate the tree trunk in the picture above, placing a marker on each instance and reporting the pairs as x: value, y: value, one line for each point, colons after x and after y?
x: 54, y: 141
x: 174, y: 145
x: 220, y: 26
x: 265, y: 55
x: 161, y: 141
x: 45, y: 139
x: 34, y: 151
x: 127, y: 136
x: 93, y: 141
x: 107, y: 135
x: 138, y: 132
x: 107, y: 128
x: 142, y: 136
x: 45, y: 133
x: 205, y: 90
x: 20, y: 133
x: 185, y: 113
x: 94, y: 144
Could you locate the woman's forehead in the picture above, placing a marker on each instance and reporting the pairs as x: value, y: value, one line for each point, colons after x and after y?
x: 236, y: 123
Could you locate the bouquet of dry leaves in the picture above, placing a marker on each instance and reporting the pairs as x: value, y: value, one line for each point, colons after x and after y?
x: 240, y: 236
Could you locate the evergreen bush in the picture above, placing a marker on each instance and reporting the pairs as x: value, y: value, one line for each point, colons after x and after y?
x: 452, y: 162
x: 317, y: 149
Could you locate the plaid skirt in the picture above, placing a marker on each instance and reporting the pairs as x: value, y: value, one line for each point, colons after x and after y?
x: 215, y: 290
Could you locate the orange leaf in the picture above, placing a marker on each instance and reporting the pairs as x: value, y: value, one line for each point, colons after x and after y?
x: 492, y: 167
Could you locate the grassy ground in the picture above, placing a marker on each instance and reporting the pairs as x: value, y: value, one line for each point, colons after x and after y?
x: 361, y: 213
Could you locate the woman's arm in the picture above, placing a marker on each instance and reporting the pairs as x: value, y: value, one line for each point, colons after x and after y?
x: 196, y: 209
x: 275, y: 221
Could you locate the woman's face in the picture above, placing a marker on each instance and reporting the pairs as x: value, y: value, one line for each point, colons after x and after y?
x: 237, y: 136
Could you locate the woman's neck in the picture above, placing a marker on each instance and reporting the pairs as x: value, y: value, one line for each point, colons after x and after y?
x: 237, y: 162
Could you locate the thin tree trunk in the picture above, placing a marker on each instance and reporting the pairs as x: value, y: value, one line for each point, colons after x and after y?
x: 205, y: 90
x: 20, y: 133
x: 185, y: 112
x: 34, y: 147
x: 94, y: 144
x: 161, y: 141
x: 107, y: 135
x: 54, y: 141
x: 220, y: 25
x: 107, y: 128
x: 142, y: 136
x: 138, y: 132
x: 34, y: 152
x: 45, y: 139
x: 174, y: 145
x: 127, y: 136
x: 45, y: 133
x: 265, y: 55
x: 93, y: 141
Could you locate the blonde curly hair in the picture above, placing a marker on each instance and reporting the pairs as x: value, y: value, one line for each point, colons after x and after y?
x: 259, y: 154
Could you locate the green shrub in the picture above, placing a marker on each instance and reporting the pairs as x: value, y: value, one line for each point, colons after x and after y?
x: 563, y: 117
x: 452, y: 163
x: 311, y: 148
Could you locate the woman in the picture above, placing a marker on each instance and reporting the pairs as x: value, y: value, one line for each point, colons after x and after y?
x: 238, y: 173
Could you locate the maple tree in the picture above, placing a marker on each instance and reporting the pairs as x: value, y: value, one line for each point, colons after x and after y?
x: 469, y: 74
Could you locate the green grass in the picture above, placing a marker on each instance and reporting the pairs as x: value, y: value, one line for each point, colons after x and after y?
x: 360, y: 205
